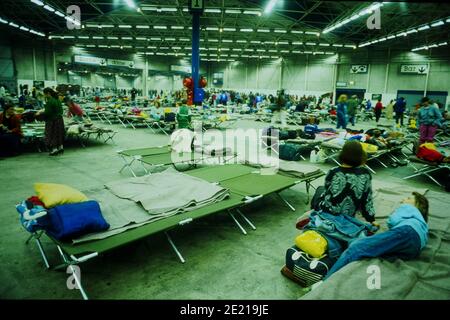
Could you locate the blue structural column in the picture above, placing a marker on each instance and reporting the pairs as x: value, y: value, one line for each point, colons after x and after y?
x: 196, y: 55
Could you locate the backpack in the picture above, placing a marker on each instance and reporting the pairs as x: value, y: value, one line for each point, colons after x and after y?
x: 311, y: 128
x: 290, y: 152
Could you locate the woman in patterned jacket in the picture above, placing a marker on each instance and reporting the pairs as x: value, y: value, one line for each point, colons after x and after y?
x: 348, y: 188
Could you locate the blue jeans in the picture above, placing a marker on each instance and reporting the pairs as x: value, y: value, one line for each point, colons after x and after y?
x: 341, y: 121
x: 402, y: 242
x: 352, y: 120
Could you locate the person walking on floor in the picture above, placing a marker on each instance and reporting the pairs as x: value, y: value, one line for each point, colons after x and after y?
x: 399, y: 108
x: 342, y: 112
x: 378, y: 110
x: 54, y: 122
x: 279, y: 114
x: 429, y: 119
x: 390, y: 110
x: 352, y: 106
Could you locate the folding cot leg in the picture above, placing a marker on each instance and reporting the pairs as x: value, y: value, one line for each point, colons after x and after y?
x: 74, y: 273
x: 380, y: 162
x: 41, y: 249
x: 246, y: 219
x: 370, y: 169
x: 237, y: 222
x: 127, y: 165
x: 286, y: 202
x: 174, y: 247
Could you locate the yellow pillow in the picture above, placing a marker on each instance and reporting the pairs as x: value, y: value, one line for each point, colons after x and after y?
x: 369, y: 148
x: 52, y: 194
x: 312, y: 243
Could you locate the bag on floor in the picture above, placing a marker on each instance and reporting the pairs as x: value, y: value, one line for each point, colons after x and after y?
x: 292, y: 134
x: 290, y: 152
x: 306, y: 269
x: 311, y: 128
x: 284, y: 135
x: 312, y: 243
x: 73, y: 220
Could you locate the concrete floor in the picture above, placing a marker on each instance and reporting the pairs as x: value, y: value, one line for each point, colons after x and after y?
x: 221, y: 263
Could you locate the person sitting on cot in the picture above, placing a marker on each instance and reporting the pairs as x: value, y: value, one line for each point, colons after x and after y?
x: 406, y: 238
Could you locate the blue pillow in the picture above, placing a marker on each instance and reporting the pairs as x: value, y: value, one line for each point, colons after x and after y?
x: 73, y: 220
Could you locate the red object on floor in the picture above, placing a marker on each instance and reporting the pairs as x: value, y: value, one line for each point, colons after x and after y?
x: 429, y: 155
x: 36, y: 201
x: 302, y: 223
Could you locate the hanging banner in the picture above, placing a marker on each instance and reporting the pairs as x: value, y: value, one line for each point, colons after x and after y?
x: 89, y: 60
x: 185, y: 69
x: 414, y: 68
x: 121, y: 63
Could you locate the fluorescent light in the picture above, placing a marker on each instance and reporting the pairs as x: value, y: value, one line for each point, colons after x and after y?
x: 425, y: 27
x: 47, y: 7
x: 97, y: 38
x: 170, y: 39
x: 127, y: 38
x: 284, y: 51
x: 248, y: 50
x: 139, y: 38
x: 39, y: 3
x: 125, y: 26
x: 338, y: 45
x: 83, y: 37
x: 257, y: 13
x: 296, y: 51
x: 270, y: 6
x: 297, y: 31
x: 142, y: 27
x: 273, y: 51
x: 130, y: 3
x: 319, y: 52
x: 313, y: 33
x: 229, y: 29
x: 185, y: 39
x: 324, y: 44
x: 102, y: 46
x: 177, y: 27
x: 227, y: 40
x: 269, y: 42
x: 241, y: 41
x: 93, y: 46
x: 437, y: 24
x: 13, y: 24
x: 329, y: 52
x: 246, y: 30
x: 225, y: 49
x: 443, y: 44
x: 297, y: 43
x: 237, y: 49
x: 401, y: 34
x: 280, y: 31
x: 155, y: 38
x: 263, y: 30
x: 112, y: 38
x: 308, y: 52
x: 283, y: 42
x: 213, y: 40
x: 3, y: 21
x: 411, y: 31
x: 59, y: 13
x: 66, y: 37
x: 255, y: 41
x: 233, y: 11
x: 24, y: 29
x: 310, y: 43
x: 160, y: 27
x: 261, y: 50
x: 391, y: 37
x: 382, y: 39
x: 212, y: 29
x: 107, y: 26
x: 213, y: 10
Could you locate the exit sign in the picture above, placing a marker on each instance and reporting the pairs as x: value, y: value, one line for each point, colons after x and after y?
x: 414, y: 68
x: 197, y: 5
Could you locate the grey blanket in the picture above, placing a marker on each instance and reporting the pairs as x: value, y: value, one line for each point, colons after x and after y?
x: 427, y: 277
x: 164, y: 194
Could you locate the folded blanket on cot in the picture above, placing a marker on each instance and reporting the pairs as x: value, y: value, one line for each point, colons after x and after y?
x: 162, y: 195
x: 168, y: 192
x: 427, y: 277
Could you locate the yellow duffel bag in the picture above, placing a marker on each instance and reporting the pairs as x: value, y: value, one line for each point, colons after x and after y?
x: 312, y: 242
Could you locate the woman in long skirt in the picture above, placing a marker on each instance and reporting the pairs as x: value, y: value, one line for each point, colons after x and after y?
x: 54, y: 122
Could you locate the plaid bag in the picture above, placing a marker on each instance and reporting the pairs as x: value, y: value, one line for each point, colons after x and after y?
x: 304, y: 269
